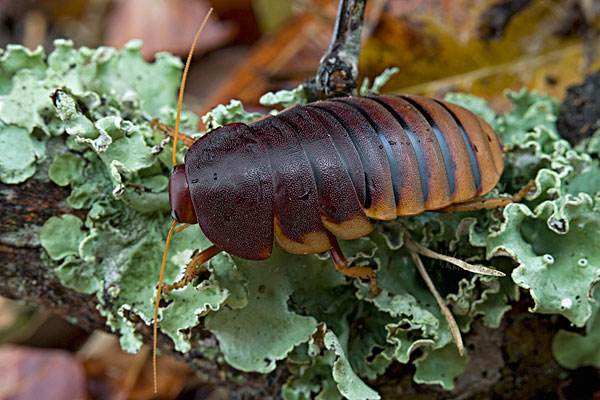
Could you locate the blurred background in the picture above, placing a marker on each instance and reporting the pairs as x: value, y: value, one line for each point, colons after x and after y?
x: 254, y: 46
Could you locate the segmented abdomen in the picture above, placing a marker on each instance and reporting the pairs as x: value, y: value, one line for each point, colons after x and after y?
x: 337, y: 163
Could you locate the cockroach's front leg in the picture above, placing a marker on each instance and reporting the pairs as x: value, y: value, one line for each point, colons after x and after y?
x: 490, y: 203
x: 193, y: 268
x: 168, y: 131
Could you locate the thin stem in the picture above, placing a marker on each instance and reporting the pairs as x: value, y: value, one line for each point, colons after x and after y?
x: 454, y: 330
x: 424, y: 251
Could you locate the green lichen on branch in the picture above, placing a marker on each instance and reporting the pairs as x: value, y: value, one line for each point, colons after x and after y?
x: 82, y: 118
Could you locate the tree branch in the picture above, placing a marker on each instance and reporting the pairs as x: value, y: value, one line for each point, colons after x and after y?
x: 338, y: 69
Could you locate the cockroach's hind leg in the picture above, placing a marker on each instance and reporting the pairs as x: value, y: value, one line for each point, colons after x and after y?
x: 525, y: 190
x: 341, y: 264
x: 478, y: 203
x: 193, y: 268
x: 170, y: 132
x: 481, y: 203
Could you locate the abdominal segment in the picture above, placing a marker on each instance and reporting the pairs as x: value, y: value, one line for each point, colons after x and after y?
x: 339, y: 208
x: 337, y: 164
x: 297, y: 223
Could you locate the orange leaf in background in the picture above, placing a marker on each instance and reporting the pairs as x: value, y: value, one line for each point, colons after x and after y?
x: 438, y: 46
x: 165, y: 25
x: 33, y: 374
x: 277, y: 61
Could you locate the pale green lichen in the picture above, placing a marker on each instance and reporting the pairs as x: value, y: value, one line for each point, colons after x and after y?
x: 573, y: 350
x: 348, y: 383
x: 20, y: 152
x: 223, y: 114
x: 60, y: 236
x: 378, y: 83
x: 188, y: 305
x: 557, y: 281
x: 440, y: 366
x: 284, y: 98
x: 265, y: 317
x: 65, y: 169
x: 333, y: 333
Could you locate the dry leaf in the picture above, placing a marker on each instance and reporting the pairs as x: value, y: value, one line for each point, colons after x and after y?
x: 33, y: 374
x: 119, y: 375
x: 165, y: 26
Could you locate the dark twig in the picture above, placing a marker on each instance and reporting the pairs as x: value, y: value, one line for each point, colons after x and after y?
x: 338, y: 69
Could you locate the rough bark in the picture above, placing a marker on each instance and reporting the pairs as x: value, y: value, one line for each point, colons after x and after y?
x: 25, y: 208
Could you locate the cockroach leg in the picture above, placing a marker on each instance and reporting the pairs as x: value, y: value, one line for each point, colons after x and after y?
x: 491, y: 203
x: 454, y: 330
x: 193, y: 268
x: 170, y: 132
x: 478, y: 204
x: 415, y: 247
x: 182, y: 228
x: 341, y: 264
x: 520, y: 195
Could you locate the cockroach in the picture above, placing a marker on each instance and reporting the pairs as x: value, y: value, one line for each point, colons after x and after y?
x: 322, y: 171
x: 318, y: 172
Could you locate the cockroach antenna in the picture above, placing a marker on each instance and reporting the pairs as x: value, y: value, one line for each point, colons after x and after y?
x: 172, y: 229
x: 161, y: 278
x: 182, y: 87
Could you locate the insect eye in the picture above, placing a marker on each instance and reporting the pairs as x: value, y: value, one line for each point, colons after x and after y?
x: 182, y: 209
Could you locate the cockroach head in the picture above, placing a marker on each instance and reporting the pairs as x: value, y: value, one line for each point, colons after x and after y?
x: 180, y: 199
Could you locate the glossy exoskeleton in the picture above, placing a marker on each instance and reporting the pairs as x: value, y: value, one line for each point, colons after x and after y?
x: 324, y: 170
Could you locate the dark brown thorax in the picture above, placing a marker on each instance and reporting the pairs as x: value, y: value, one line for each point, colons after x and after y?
x: 230, y: 186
